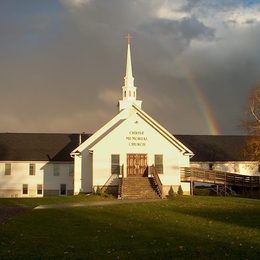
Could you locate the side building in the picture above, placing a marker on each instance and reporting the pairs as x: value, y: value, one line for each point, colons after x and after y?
x: 36, y: 165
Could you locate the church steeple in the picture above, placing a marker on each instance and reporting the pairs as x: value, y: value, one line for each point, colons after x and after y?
x: 129, y: 90
x: 129, y: 79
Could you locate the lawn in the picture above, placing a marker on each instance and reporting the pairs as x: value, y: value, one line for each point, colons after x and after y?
x: 186, y: 227
x: 33, y: 202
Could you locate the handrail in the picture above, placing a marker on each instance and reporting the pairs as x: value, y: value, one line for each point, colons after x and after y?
x: 219, y: 177
x: 157, y: 180
x: 122, y: 180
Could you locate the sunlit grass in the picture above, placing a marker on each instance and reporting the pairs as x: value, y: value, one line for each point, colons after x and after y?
x: 199, y: 227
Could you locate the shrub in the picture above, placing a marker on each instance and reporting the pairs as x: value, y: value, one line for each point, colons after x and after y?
x: 180, y: 191
x: 171, y: 193
x: 98, y: 191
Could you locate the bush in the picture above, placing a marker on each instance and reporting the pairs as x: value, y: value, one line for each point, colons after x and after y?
x: 98, y: 191
x: 171, y: 194
x: 180, y: 191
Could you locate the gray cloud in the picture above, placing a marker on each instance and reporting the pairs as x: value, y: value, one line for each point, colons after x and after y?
x: 62, y: 71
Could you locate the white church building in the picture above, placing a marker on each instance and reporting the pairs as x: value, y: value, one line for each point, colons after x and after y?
x: 131, y: 156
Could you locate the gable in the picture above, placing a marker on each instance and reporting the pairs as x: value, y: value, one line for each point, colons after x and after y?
x: 135, y: 135
x: 131, y: 124
x: 103, y: 131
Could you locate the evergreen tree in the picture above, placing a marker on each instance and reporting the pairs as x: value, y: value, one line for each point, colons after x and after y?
x: 180, y: 191
x: 171, y: 193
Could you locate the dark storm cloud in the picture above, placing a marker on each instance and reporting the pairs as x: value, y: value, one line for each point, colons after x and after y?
x: 62, y: 64
x: 186, y: 28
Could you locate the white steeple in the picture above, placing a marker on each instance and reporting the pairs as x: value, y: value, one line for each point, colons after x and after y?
x: 129, y: 90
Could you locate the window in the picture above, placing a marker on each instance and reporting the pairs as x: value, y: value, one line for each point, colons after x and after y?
x: 32, y: 169
x: 115, y: 164
x: 129, y: 93
x: 8, y: 169
x: 56, y: 170
x: 158, y: 162
x: 71, y: 169
x: 39, y: 189
x: 25, y: 188
x: 211, y: 166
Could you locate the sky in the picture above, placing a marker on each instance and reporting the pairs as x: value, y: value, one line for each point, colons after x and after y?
x: 62, y: 63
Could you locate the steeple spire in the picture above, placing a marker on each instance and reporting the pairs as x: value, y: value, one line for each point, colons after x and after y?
x: 129, y: 90
x: 129, y: 79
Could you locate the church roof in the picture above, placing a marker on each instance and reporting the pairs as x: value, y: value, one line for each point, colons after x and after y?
x: 38, y: 147
x: 217, y: 147
x: 57, y: 147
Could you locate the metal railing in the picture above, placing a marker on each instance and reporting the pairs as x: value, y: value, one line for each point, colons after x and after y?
x: 157, y: 180
x: 122, y: 181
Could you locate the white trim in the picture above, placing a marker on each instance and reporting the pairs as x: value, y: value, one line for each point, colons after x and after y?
x: 164, y: 132
x: 58, y: 162
x: 123, y: 115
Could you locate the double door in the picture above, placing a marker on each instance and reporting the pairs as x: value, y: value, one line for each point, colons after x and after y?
x: 137, y: 165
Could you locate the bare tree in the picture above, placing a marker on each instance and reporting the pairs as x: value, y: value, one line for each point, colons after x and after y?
x: 252, y: 123
x: 252, y: 148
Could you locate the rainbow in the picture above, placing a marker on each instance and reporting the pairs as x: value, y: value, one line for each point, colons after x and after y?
x: 202, y: 101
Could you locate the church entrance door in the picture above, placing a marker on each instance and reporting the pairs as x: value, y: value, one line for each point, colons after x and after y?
x: 136, y: 165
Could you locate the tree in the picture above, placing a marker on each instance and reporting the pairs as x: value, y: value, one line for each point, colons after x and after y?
x: 98, y: 191
x: 252, y: 148
x: 180, y: 191
x: 171, y: 194
x: 252, y: 123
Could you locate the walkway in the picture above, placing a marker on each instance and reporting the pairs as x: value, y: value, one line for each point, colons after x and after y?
x: 94, y: 203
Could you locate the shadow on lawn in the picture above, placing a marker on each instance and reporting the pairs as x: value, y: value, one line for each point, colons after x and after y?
x: 8, y: 212
x: 162, y: 236
x: 157, y: 235
x: 126, y: 231
x: 246, y: 217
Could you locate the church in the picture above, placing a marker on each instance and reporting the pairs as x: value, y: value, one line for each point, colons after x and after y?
x: 131, y: 156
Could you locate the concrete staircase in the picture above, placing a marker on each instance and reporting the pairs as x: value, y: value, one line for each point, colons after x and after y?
x: 138, y: 188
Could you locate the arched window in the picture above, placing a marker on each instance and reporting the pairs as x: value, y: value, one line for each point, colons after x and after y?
x: 125, y: 93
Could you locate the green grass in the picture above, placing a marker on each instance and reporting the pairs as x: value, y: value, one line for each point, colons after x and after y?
x: 186, y: 227
x: 33, y: 202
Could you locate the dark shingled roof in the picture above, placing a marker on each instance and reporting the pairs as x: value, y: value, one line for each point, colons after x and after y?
x: 217, y: 147
x: 38, y: 147
x: 57, y: 147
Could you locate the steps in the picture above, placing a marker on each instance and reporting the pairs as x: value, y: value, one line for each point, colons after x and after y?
x: 139, y: 188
